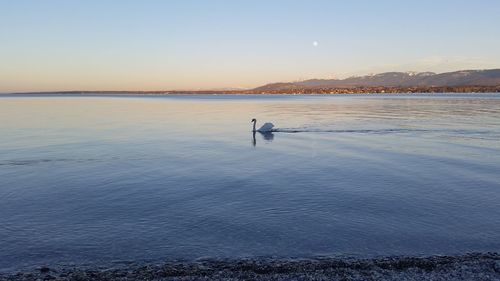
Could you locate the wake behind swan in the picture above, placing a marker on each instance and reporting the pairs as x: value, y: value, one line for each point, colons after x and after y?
x: 268, y: 127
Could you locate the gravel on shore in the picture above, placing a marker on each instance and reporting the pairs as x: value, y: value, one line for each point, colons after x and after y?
x: 475, y: 266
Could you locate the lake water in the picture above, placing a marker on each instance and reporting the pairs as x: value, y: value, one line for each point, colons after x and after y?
x: 99, y: 179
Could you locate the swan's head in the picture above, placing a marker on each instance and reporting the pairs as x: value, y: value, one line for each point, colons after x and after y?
x: 254, y: 120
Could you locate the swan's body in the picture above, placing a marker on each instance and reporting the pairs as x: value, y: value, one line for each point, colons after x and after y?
x: 266, y: 128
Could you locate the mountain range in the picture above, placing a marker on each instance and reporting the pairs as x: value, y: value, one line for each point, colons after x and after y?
x: 489, y: 77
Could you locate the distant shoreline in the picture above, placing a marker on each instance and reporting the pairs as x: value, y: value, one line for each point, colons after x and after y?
x: 474, y: 266
x: 296, y: 91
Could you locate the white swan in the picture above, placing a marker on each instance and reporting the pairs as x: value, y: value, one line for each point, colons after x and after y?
x: 266, y: 128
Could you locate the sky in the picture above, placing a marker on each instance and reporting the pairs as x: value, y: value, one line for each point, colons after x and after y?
x: 57, y: 45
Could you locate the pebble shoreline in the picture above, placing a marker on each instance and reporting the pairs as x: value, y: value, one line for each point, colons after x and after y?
x: 476, y: 266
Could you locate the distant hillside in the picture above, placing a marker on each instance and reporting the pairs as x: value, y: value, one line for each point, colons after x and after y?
x: 489, y: 77
x: 465, y: 81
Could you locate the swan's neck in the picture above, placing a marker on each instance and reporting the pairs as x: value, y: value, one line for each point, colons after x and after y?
x: 254, y: 125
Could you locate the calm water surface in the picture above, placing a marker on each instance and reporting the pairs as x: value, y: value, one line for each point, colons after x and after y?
x: 103, y: 179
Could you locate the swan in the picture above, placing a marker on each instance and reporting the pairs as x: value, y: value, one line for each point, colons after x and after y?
x: 266, y: 128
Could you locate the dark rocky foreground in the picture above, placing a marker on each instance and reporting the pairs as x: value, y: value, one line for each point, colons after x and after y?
x: 468, y: 267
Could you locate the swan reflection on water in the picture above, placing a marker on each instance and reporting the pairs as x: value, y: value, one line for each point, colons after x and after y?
x: 268, y: 136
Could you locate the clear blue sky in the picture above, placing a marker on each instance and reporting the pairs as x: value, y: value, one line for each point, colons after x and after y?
x: 188, y: 44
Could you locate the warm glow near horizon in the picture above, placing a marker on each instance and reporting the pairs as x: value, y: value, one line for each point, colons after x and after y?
x: 188, y: 45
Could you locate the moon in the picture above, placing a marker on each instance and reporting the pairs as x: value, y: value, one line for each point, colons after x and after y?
x: 315, y: 43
